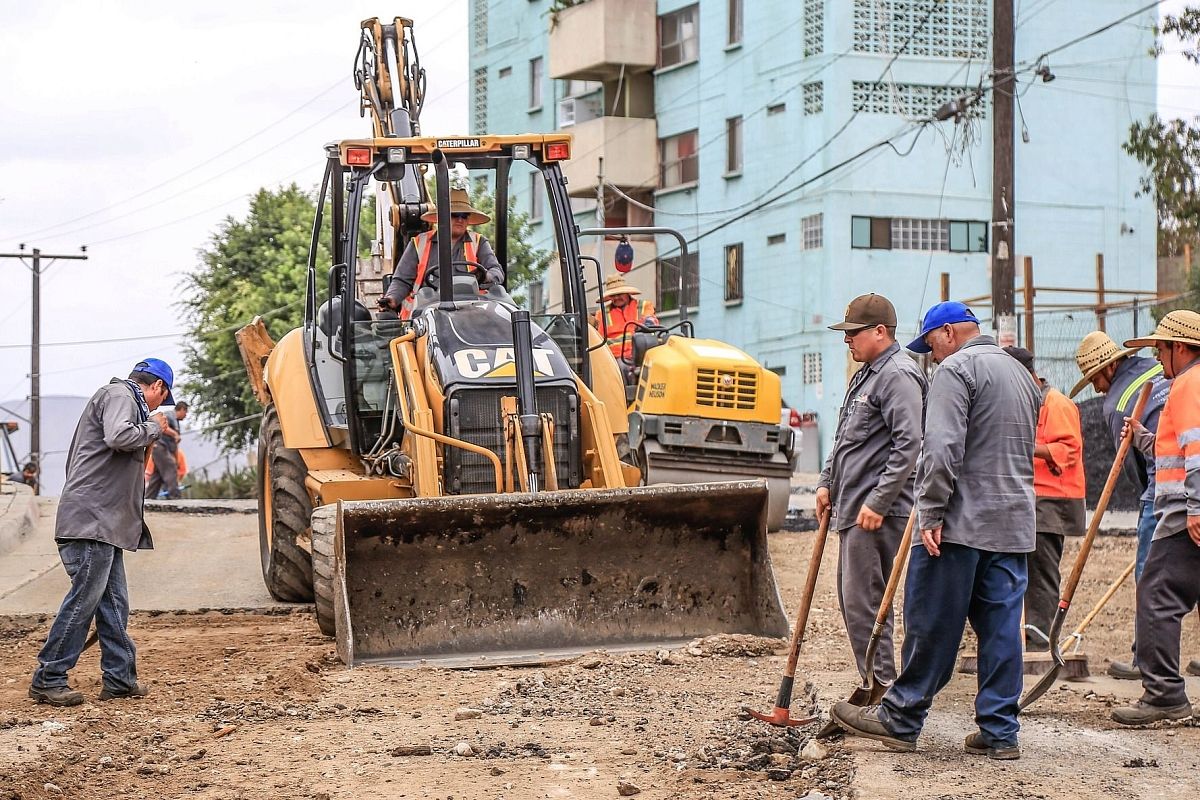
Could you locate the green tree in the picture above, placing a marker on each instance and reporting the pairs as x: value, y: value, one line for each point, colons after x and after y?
x: 1170, y: 150
x: 526, y: 263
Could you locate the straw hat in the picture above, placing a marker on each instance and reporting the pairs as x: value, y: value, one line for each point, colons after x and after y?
x: 1095, y: 352
x: 460, y: 203
x: 615, y: 285
x: 1178, y: 326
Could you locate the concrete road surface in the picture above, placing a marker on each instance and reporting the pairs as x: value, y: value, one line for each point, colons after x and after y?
x: 198, y: 561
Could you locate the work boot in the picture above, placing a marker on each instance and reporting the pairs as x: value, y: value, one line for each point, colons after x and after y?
x: 864, y: 721
x: 977, y: 744
x: 1193, y: 667
x: 1142, y: 713
x: 56, y: 695
x: 1125, y: 671
x: 137, y: 690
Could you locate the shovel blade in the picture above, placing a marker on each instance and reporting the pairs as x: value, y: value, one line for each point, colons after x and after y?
x: 862, y: 696
x: 1047, y: 680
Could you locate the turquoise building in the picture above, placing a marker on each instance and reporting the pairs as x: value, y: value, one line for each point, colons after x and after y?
x: 730, y: 120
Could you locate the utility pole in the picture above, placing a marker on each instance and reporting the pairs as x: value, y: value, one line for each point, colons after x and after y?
x: 601, y: 221
x: 35, y: 369
x: 1003, y: 197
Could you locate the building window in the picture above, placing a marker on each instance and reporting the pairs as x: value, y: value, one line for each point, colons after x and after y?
x: 535, y: 197
x: 679, y: 37
x: 668, y: 282
x: 930, y: 235
x: 504, y: 72
x: 679, y: 164
x: 811, y: 368
x: 778, y: 108
x: 812, y: 232
x: 733, y: 145
x: 911, y: 100
x: 733, y: 272
x: 536, y: 68
x: 947, y: 29
x: 776, y: 238
x: 814, y: 98
x: 814, y: 27
x: 582, y: 101
x: 479, y: 92
x: 735, y: 22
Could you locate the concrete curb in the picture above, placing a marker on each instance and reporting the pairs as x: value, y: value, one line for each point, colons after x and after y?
x: 202, y: 506
x: 18, y: 514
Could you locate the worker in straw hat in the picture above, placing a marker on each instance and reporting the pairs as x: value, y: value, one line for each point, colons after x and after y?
x: 1119, y: 374
x: 470, y: 252
x: 615, y: 322
x: 1170, y: 586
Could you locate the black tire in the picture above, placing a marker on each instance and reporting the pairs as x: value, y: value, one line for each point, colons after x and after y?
x: 323, y: 525
x: 284, y: 512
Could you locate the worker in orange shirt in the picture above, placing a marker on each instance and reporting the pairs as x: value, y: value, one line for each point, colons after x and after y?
x: 1059, y: 489
x: 615, y: 322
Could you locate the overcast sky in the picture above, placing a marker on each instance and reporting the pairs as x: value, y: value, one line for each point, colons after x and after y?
x: 135, y: 128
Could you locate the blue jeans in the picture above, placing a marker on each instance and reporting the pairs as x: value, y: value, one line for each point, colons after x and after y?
x: 941, y: 595
x: 97, y: 592
x: 1145, y: 532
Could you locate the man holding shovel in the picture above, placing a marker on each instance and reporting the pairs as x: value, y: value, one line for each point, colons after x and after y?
x: 975, y: 507
x: 867, y: 481
x: 1169, y: 588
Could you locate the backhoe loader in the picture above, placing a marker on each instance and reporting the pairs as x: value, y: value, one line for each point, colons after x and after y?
x: 447, y: 487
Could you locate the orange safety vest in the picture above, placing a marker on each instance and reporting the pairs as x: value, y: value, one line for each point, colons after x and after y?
x: 1059, y: 429
x: 617, y: 319
x: 1176, y: 443
x: 424, y: 245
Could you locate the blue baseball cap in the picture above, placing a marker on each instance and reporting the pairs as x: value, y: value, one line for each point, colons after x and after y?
x: 946, y: 313
x: 159, y: 369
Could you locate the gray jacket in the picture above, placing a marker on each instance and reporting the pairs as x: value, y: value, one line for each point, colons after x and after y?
x: 102, y: 498
x: 877, y: 440
x: 406, y: 269
x: 975, y: 473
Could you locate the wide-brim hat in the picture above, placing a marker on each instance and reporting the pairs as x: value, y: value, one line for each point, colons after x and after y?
x: 1178, y: 326
x: 460, y: 203
x: 1095, y: 352
x: 615, y: 285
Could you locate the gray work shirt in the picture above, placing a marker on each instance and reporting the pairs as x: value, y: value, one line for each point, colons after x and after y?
x: 406, y: 270
x: 975, y: 473
x: 103, y: 495
x: 877, y: 440
x: 166, y: 442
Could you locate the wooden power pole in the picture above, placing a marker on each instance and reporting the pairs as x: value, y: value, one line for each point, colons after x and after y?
x: 35, y: 344
x: 1003, y: 197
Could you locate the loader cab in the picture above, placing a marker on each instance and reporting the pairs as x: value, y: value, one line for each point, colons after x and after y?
x: 371, y: 204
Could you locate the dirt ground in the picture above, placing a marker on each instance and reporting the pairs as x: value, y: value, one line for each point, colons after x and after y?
x: 257, y: 706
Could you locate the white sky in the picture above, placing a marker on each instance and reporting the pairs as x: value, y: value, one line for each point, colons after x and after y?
x: 135, y: 128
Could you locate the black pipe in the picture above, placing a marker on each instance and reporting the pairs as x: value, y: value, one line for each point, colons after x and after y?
x: 527, y: 411
x: 501, y: 212
x: 441, y: 170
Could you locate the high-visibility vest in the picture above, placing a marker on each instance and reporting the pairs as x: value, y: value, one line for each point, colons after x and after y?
x: 1059, y: 429
x: 1176, y: 443
x: 617, y: 319
x: 424, y: 245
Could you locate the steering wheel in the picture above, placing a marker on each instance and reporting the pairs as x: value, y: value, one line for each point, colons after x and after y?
x: 477, y: 270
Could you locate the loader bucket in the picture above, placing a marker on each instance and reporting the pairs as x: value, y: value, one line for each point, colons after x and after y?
x: 478, y: 580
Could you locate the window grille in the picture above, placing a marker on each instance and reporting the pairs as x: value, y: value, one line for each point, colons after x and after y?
x: 480, y: 31
x: 480, y: 100
x: 955, y: 28
x: 812, y: 232
x: 911, y: 100
x: 814, y: 98
x: 814, y: 27
x: 811, y: 368
x: 920, y: 234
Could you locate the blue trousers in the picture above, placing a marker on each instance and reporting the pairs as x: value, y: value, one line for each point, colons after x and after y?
x: 941, y: 595
x: 98, y: 591
x: 1145, y: 532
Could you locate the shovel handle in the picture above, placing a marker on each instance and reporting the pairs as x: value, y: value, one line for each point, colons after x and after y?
x: 810, y: 588
x: 898, y: 564
x: 1102, y: 504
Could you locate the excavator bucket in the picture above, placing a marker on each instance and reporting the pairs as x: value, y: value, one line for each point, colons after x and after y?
x: 475, y: 580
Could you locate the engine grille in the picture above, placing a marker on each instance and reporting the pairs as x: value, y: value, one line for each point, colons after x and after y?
x: 727, y: 388
x: 474, y: 416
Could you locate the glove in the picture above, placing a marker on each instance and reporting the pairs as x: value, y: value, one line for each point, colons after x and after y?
x: 495, y: 275
x: 387, y: 303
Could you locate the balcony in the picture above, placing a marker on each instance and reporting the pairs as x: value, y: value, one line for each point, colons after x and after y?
x: 629, y: 146
x: 593, y: 40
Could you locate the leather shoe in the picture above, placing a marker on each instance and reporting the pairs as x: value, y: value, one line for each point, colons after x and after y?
x: 977, y: 744
x: 137, y: 690
x: 1125, y: 671
x: 1142, y: 713
x: 864, y: 721
x: 56, y: 695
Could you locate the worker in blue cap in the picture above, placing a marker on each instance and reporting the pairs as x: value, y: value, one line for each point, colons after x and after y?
x: 99, y: 517
x: 975, y: 511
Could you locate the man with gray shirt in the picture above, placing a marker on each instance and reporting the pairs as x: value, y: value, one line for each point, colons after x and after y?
x: 165, y: 455
x: 975, y: 510
x: 867, y: 482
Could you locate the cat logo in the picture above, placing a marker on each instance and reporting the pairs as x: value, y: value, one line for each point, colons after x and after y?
x: 474, y: 363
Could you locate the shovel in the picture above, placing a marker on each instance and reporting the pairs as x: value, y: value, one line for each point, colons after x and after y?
x: 1072, y: 583
x: 872, y: 690
x: 781, y: 715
